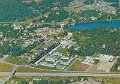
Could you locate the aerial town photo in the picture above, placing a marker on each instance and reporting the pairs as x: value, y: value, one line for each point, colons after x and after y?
x: 59, y: 41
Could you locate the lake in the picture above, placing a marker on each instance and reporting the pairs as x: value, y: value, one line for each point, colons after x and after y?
x: 95, y: 25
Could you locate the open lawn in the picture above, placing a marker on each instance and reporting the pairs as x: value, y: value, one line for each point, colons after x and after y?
x: 5, y: 67
x: 27, y: 69
x: 65, y: 60
x: 96, y: 61
x: 75, y: 66
x: 16, y: 60
x: 1, y: 77
x: 14, y: 78
x: 39, y: 46
x: 63, y: 50
x: 44, y: 67
x: 49, y: 62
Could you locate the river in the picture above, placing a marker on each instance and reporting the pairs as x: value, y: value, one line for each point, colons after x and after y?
x: 95, y: 25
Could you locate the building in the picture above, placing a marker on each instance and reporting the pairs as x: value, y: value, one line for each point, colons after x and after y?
x: 106, y: 58
x: 51, y: 58
x: 67, y: 44
x: 89, y: 60
x: 65, y: 57
x: 68, y: 62
x: 53, y: 50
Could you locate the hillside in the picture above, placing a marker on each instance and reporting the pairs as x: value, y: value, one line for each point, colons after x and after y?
x: 70, y: 11
x: 11, y: 10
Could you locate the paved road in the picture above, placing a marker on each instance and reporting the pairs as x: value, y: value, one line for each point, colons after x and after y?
x: 5, y: 73
x: 66, y: 74
x: 52, y: 73
x: 59, y: 74
x: 8, y: 74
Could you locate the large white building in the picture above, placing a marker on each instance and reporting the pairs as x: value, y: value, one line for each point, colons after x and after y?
x: 106, y: 58
x: 89, y: 60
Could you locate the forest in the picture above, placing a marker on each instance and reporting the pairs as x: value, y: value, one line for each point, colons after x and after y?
x: 97, y: 40
x: 16, y: 10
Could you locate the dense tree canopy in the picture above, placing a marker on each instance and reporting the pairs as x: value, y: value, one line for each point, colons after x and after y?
x: 99, y: 40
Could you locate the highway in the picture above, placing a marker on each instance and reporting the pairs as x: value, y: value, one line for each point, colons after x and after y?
x: 63, y: 74
x: 5, y: 73
x: 66, y: 74
x: 60, y: 74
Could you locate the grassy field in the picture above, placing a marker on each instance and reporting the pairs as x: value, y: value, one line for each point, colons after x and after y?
x: 27, y: 69
x: 65, y: 60
x: 44, y: 67
x: 16, y: 60
x: 96, y: 61
x: 75, y: 66
x: 63, y: 50
x: 5, y: 67
x: 4, y: 76
x: 109, y: 80
x: 112, y: 80
x: 18, y: 79
x: 40, y: 46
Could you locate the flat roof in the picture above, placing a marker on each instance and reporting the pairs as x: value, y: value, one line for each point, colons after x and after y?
x: 105, y: 58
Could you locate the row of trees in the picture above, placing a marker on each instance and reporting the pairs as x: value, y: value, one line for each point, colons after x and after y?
x: 51, y: 80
